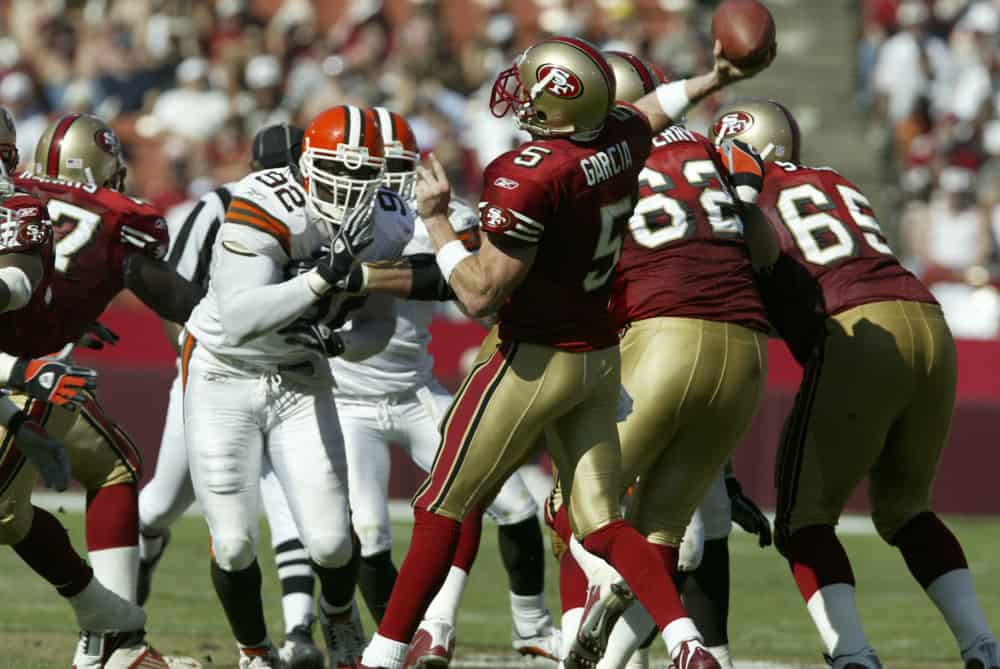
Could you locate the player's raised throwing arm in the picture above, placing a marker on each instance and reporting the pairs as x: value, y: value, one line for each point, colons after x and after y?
x: 481, y: 282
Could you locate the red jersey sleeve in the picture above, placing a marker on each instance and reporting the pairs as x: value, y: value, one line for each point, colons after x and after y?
x: 514, y: 204
x: 24, y: 224
x: 145, y: 233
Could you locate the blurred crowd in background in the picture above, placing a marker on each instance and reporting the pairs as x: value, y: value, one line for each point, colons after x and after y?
x: 186, y: 83
x: 929, y: 79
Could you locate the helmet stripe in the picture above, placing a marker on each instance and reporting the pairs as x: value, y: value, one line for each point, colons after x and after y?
x: 593, y: 54
x: 355, y: 126
x: 55, y: 144
x: 385, y: 124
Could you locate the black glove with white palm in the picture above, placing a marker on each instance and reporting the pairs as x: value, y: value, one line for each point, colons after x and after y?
x: 355, y: 235
x: 747, y: 514
x: 318, y: 336
x: 47, y: 454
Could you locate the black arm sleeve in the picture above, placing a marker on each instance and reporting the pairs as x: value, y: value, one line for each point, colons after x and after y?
x: 160, y: 288
x: 428, y: 282
x: 795, y: 306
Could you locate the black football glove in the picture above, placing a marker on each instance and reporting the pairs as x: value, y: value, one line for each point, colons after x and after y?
x: 97, y: 335
x: 336, y: 263
x: 316, y: 336
x: 45, y: 453
x: 748, y: 515
x: 51, y: 380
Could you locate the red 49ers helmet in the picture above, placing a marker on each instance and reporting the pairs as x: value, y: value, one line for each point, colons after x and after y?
x: 341, y: 164
x: 560, y: 87
x: 401, y: 152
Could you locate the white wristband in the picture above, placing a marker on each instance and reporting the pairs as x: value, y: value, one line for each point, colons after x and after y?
x: 6, y: 367
x: 449, y: 256
x: 673, y: 99
x: 19, y: 286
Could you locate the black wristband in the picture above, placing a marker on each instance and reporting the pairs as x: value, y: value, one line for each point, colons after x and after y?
x: 355, y: 281
x: 16, y: 421
x: 428, y: 283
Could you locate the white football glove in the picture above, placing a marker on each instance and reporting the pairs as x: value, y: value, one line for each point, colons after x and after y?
x: 693, y: 545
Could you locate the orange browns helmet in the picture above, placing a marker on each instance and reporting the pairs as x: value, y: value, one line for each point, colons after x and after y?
x: 83, y: 148
x: 560, y: 87
x: 341, y: 164
x: 634, y: 77
x: 401, y: 152
x: 8, y: 142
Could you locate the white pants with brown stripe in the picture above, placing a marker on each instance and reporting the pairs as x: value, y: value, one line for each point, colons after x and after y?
x: 234, y: 421
x: 410, y: 421
x: 515, y: 392
x: 101, y: 454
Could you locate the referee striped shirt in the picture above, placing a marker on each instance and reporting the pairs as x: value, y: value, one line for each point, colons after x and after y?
x: 192, y: 237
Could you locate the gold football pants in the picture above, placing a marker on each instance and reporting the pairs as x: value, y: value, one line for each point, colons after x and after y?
x: 691, y: 389
x: 514, y: 392
x: 877, y: 401
x: 101, y: 454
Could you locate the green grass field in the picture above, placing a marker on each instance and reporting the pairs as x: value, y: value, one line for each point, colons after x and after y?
x: 768, y: 619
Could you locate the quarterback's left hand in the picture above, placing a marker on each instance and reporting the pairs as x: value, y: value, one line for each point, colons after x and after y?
x: 316, y: 336
x: 433, y: 189
x: 52, y: 380
x: 745, y: 167
x: 747, y: 514
x: 97, y: 335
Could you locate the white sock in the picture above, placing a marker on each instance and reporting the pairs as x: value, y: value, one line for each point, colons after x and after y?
x: 835, y: 613
x: 444, y: 606
x: 721, y: 655
x: 150, y: 546
x: 677, y: 632
x: 117, y: 569
x: 956, y: 599
x: 297, y: 609
x: 529, y: 613
x: 570, y: 626
x: 384, y: 652
x: 630, y: 631
x: 595, y: 568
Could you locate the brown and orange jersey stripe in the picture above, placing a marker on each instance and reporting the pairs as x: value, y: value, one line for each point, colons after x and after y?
x: 245, y: 212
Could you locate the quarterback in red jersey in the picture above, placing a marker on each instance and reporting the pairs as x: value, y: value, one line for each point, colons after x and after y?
x: 877, y: 396
x: 553, y: 211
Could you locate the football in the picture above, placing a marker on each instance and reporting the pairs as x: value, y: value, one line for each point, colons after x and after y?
x: 746, y: 30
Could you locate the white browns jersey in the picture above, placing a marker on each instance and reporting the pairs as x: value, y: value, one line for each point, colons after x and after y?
x: 268, y: 218
x: 405, y: 364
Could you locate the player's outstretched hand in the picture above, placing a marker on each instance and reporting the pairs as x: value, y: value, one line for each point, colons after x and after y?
x: 98, y: 335
x: 51, y: 380
x: 433, y: 189
x: 46, y: 453
x: 746, y: 169
x: 747, y: 514
x: 726, y: 72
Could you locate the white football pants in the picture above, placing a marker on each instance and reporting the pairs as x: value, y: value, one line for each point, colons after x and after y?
x: 411, y: 421
x: 234, y: 421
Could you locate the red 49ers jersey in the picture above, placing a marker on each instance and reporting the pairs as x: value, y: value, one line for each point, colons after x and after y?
x: 95, y: 230
x: 24, y: 228
x: 573, y: 201
x: 684, y: 255
x: 826, y: 225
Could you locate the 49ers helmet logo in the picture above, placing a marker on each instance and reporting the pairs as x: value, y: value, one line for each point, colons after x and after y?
x: 107, y: 140
x: 733, y: 124
x: 560, y: 81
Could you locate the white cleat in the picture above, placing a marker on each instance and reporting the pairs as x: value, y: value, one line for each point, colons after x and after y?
x: 265, y: 657
x: 299, y: 651
x: 866, y: 658
x: 100, y: 610
x: 605, y: 605
x: 984, y: 653
x: 344, y: 636
x: 124, y: 651
x: 544, y: 641
x: 432, y: 646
